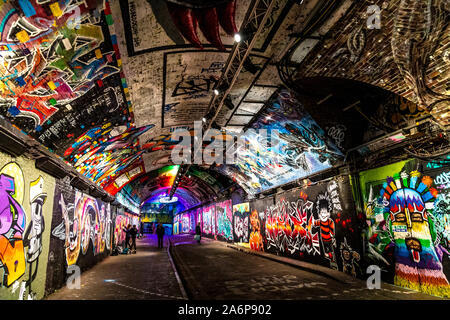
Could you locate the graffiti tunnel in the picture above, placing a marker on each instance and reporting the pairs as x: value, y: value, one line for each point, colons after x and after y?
x: 312, y: 134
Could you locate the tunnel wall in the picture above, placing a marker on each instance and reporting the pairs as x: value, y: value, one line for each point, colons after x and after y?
x: 315, y: 223
x: 408, y: 224
x: 25, y: 229
x: 122, y: 220
x: 81, y: 233
x: 363, y: 227
x: 37, y: 255
x: 289, y: 224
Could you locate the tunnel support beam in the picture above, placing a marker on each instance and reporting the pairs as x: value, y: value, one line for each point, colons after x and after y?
x: 254, y: 22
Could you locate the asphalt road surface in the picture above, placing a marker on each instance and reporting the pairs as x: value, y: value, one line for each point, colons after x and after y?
x: 212, y: 271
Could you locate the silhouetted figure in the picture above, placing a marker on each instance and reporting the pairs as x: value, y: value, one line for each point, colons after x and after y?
x: 198, y: 233
x: 133, y: 233
x: 141, y: 229
x: 127, y: 236
x: 160, y: 233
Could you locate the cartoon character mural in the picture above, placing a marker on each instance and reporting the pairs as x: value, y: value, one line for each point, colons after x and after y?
x: 327, y: 227
x: 33, y: 235
x: 403, y: 220
x: 349, y: 258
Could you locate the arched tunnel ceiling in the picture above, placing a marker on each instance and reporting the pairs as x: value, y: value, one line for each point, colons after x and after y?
x: 103, y: 84
x: 197, y: 186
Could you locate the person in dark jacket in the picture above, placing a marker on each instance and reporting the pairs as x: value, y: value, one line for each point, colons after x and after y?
x: 160, y: 233
x: 133, y: 233
x: 127, y: 236
x: 198, y: 233
x: 141, y: 229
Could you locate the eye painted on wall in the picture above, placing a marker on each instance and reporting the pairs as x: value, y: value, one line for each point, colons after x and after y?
x: 400, y: 217
x: 416, y: 217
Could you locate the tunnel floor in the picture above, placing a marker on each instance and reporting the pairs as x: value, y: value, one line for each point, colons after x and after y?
x: 146, y: 275
x: 213, y: 271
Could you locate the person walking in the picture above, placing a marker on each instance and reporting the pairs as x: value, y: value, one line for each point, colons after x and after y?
x: 141, y: 229
x: 198, y: 233
x: 160, y: 233
x: 133, y: 233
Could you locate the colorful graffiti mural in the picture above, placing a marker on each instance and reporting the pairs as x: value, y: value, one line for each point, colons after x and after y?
x: 85, y: 224
x: 291, y: 147
x: 208, y: 220
x: 101, y: 156
x: 241, y: 222
x: 257, y: 223
x: 224, y: 214
x: 12, y: 217
x: 289, y: 226
x: 33, y: 234
x: 54, y: 54
x: 185, y: 223
x: 350, y: 259
x: 24, y: 211
x: 406, y: 217
x: 176, y: 224
x: 310, y: 224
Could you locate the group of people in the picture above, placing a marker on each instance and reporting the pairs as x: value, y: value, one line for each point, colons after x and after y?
x: 130, y: 235
x: 131, y: 232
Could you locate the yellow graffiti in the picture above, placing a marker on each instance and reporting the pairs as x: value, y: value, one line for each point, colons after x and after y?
x: 13, y: 258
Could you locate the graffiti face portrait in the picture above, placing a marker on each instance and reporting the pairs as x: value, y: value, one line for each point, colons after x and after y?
x: 409, y: 221
x: 346, y: 255
x: 324, y: 214
x: 417, y: 263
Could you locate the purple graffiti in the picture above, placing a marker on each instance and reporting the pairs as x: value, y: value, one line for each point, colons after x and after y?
x: 10, y: 219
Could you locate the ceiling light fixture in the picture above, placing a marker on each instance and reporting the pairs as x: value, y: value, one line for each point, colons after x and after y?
x: 237, y: 37
x: 228, y: 103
